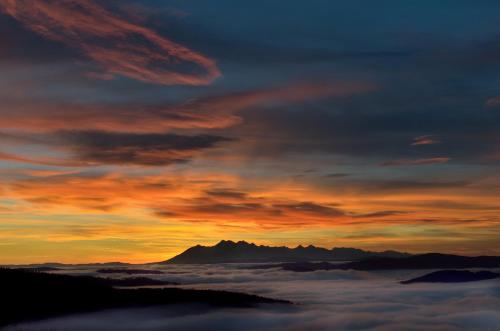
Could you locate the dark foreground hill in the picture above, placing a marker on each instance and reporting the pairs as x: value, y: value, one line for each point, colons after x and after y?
x: 453, y: 276
x: 423, y: 261
x: 28, y: 295
x: 228, y: 251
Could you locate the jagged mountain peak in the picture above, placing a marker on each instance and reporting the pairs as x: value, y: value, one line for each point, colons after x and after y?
x: 230, y: 243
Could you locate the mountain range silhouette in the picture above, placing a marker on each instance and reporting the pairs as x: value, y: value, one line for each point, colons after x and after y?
x: 227, y: 251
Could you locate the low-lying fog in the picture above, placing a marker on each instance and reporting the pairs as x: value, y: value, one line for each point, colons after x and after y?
x: 325, y: 300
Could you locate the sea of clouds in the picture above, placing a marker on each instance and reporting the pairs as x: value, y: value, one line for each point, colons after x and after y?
x: 324, y: 300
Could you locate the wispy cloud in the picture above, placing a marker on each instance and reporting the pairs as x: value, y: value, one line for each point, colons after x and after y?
x: 415, y: 162
x: 202, y: 113
x: 493, y: 102
x: 119, y: 46
x: 127, y: 134
x: 425, y: 140
x: 47, y: 161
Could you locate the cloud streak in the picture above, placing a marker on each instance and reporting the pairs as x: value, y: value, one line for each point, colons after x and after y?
x: 415, y: 162
x: 94, y: 148
x: 128, y: 134
x: 425, y: 140
x: 98, y: 147
x: 211, y: 112
x: 47, y: 161
x: 118, y: 46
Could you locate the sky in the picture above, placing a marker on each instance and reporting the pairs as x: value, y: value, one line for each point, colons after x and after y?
x: 131, y: 130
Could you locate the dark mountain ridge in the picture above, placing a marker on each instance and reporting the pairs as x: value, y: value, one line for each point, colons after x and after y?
x: 453, y: 276
x: 422, y: 261
x: 228, y: 251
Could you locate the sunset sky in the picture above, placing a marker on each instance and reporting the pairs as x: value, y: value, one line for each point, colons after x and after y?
x: 131, y: 130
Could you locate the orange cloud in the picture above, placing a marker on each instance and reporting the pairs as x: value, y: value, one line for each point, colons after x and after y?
x: 82, y: 191
x: 212, y: 199
x: 119, y: 46
x: 191, y: 198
